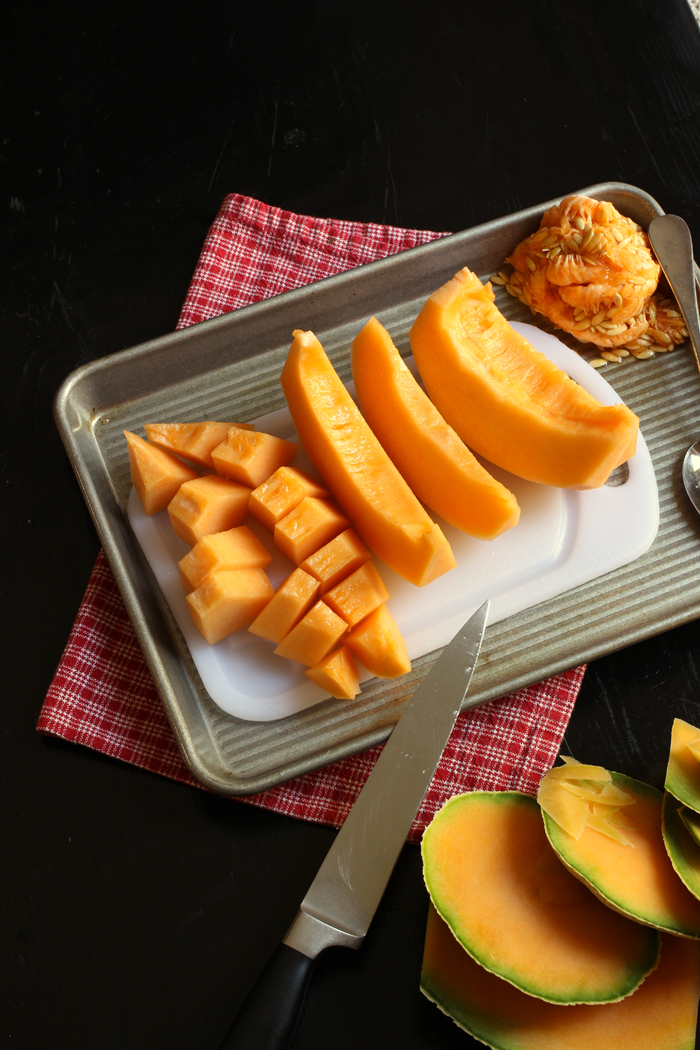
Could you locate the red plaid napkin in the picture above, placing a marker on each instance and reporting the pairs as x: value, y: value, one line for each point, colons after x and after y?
x: 102, y: 694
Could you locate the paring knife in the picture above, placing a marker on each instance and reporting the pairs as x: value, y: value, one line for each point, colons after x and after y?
x: 343, y: 897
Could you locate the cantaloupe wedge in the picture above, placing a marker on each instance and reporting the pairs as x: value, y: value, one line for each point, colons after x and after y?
x: 681, y: 845
x: 358, y: 595
x: 206, y: 505
x: 313, y: 637
x: 431, y: 457
x: 337, y: 673
x: 309, y: 526
x: 482, y: 864
x: 249, y: 456
x: 227, y: 601
x: 660, y: 1015
x: 192, y: 441
x: 337, y: 559
x: 683, y: 770
x: 509, y: 403
x: 293, y: 598
x: 234, y: 549
x: 281, y: 493
x: 356, y: 469
x: 636, y: 876
x: 156, y: 474
x: 379, y: 645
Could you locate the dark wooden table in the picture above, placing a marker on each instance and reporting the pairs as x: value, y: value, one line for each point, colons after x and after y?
x: 137, y: 911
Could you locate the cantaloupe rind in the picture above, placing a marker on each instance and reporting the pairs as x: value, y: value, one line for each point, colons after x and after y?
x: 638, y: 882
x: 483, y: 866
x: 661, y: 1015
x: 683, y: 770
x: 682, y: 848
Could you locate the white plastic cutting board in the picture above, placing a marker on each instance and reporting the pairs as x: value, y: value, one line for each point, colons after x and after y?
x: 564, y: 538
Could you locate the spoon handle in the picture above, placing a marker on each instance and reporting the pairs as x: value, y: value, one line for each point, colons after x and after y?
x: 670, y: 238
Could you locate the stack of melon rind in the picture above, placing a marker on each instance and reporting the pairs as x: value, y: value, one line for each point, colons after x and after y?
x: 541, y: 938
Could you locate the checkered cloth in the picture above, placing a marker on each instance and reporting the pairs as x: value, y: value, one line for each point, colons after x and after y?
x: 102, y: 694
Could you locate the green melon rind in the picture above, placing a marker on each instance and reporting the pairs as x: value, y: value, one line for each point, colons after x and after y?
x: 473, y: 1022
x: 683, y: 787
x: 635, y: 974
x: 682, y: 849
x: 559, y: 840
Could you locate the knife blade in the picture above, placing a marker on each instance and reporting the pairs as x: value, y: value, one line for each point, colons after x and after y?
x: 343, y: 897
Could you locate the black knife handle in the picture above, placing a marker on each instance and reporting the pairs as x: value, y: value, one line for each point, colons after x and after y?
x: 269, y: 1015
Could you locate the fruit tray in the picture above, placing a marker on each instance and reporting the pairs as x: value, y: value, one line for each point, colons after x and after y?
x: 229, y: 368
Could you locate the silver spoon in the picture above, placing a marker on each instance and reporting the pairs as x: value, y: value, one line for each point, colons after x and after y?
x: 670, y: 238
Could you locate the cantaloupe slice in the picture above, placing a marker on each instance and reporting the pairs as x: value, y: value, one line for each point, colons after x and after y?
x: 280, y: 493
x: 192, y: 441
x: 660, y: 1015
x: 249, y: 456
x: 293, y: 598
x: 234, y: 549
x: 356, y: 469
x: 227, y: 601
x: 337, y: 673
x: 480, y: 864
x: 379, y: 645
x: 358, y: 595
x: 313, y: 637
x: 337, y: 559
x: 507, y: 401
x: 683, y: 770
x: 156, y: 475
x: 636, y: 879
x: 691, y: 819
x: 431, y: 457
x: 309, y: 526
x: 206, y: 505
x: 682, y: 847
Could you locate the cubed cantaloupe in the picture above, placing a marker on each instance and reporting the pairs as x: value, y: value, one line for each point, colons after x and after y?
x: 292, y: 599
x: 337, y: 673
x: 280, y: 493
x: 314, y: 636
x: 192, y: 441
x: 156, y: 474
x: 358, y: 594
x: 206, y: 505
x: 234, y: 549
x: 379, y: 645
x: 335, y: 560
x: 309, y: 526
x: 249, y: 456
x: 227, y: 601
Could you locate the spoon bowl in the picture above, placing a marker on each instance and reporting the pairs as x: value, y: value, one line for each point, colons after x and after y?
x: 670, y: 238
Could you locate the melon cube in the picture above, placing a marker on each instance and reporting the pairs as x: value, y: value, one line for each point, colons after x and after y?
x: 309, y: 526
x: 358, y: 594
x: 234, y: 549
x: 156, y: 474
x: 379, y: 645
x: 313, y: 637
x: 333, y: 562
x: 292, y: 599
x: 192, y: 441
x: 281, y: 492
x: 227, y: 601
x: 250, y: 457
x: 337, y: 673
x: 209, y: 504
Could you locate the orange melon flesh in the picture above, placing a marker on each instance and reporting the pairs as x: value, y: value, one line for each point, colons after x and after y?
x: 480, y: 864
x: 192, y: 441
x: 683, y: 771
x: 291, y: 601
x: 660, y: 1015
x: 209, y: 504
x: 358, y: 594
x: 335, y: 560
x: 379, y: 645
x: 156, y: 475
x: 638, y: 879
x: 281, y: 492
x: 227, y: 601
x: 431, y: 457
x: 250, y: 457
x: 507, y: 401
x: 234, y: 549
x: 313, y: 637
x: 337, y: 673
x: 356, y: 469
x: 306, y: 528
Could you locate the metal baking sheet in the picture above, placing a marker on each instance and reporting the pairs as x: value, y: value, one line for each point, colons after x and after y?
x: 229, y: 368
